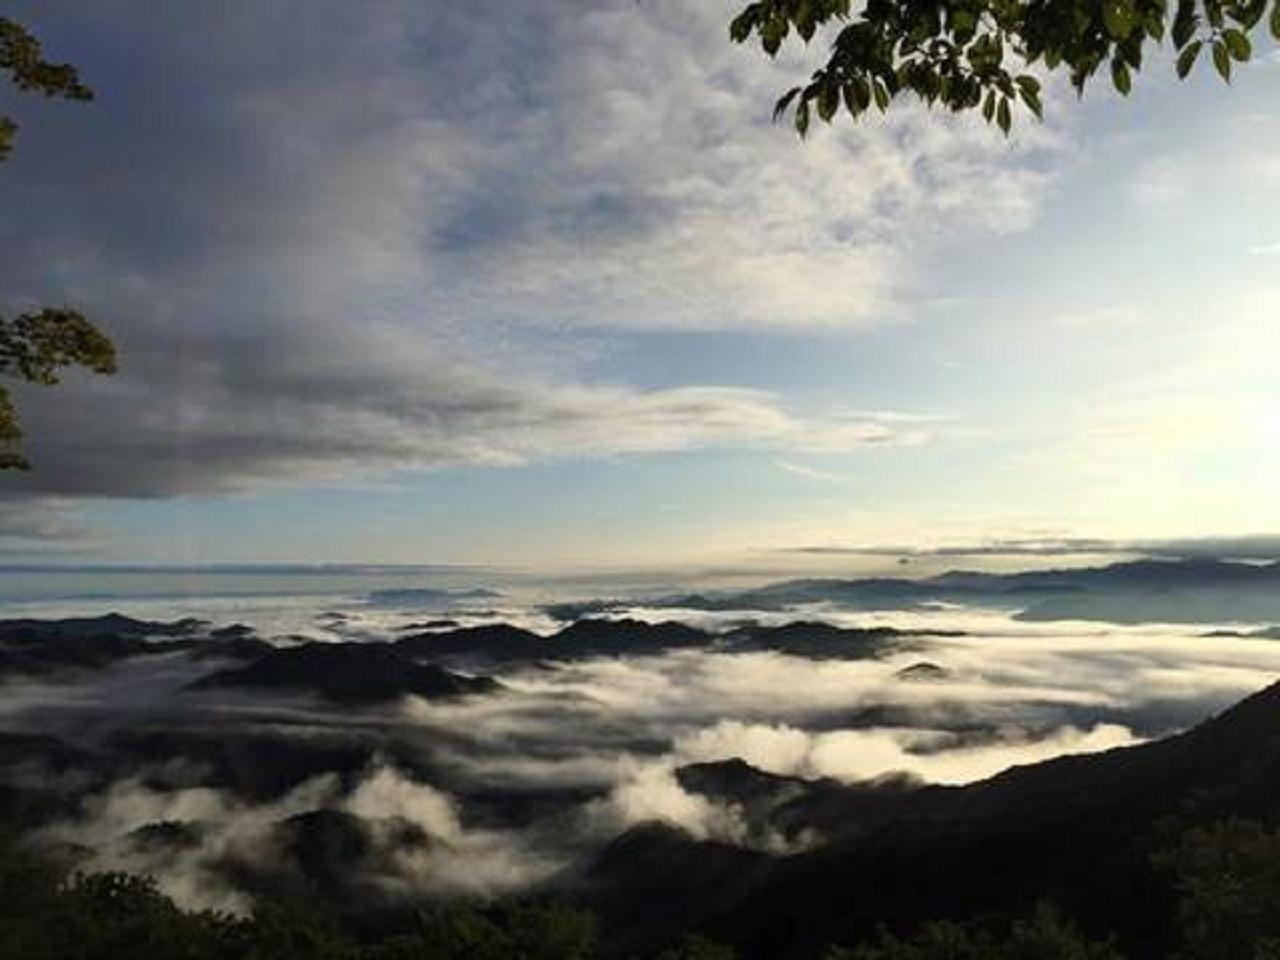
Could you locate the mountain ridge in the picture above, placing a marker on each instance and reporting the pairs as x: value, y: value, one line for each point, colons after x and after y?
x: 1078, y: 830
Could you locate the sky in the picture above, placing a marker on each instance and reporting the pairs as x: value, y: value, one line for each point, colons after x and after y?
x: 541, y: 284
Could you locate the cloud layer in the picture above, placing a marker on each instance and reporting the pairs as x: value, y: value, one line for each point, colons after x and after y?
x: 496, y: 793
x: 334, y: 242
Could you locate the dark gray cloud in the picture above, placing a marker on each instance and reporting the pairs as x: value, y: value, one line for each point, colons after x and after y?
x: 43, y: 526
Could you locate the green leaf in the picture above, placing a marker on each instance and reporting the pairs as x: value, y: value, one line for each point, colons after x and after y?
x: 1184, y: 28
x: 802, y: 118
x: 1028, y: 82
x: 989, y: 106
x: 828, y: 102
x: 1275, y: 20
x: 963, y: 23
x: 881, y: 94
x: 1032, y: 100
x: 784, y: 101
x: 1238, y: 45
x: 805, y: 22
x: 1120, y: 76
x: 1222, y: 60
x: 1118, y: 18
x: 771, y: 35
x: 1131, y: 51
x: 1249, y: 14
x: 850, y: 99
x: 1187, y: 58
x: 742, y: 24
x: 861, y: 92
x: 1003, y: 117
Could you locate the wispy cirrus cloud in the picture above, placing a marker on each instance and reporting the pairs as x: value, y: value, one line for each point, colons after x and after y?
x: 809, y: 473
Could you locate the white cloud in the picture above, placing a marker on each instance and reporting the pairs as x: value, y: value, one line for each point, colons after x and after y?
x: 1014, y: 693
x: 377, y: 278
x: 809, y: 473
x: 395, y: 411
x: 1164, y: 183
x: 455, y: 861
x: 189, y: 876
x: 649, y: 792
x: 670, y: 201
x: 858, y: 755
x: 1039, y: 689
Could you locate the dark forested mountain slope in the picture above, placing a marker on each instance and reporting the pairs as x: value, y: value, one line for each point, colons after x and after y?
x: 347, y: 673
x: 1077, y: 830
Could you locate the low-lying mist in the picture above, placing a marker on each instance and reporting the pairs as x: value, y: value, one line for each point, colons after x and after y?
x: 227, y: 794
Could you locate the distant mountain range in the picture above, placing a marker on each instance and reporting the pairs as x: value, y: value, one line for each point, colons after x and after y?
x: 601, y: 637
x: 373, y: 671
x: 427, y: 596
x: 43, y: 647
x: 1177, y: 591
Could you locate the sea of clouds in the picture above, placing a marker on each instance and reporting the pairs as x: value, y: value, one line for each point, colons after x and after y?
x: 590, y: 749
